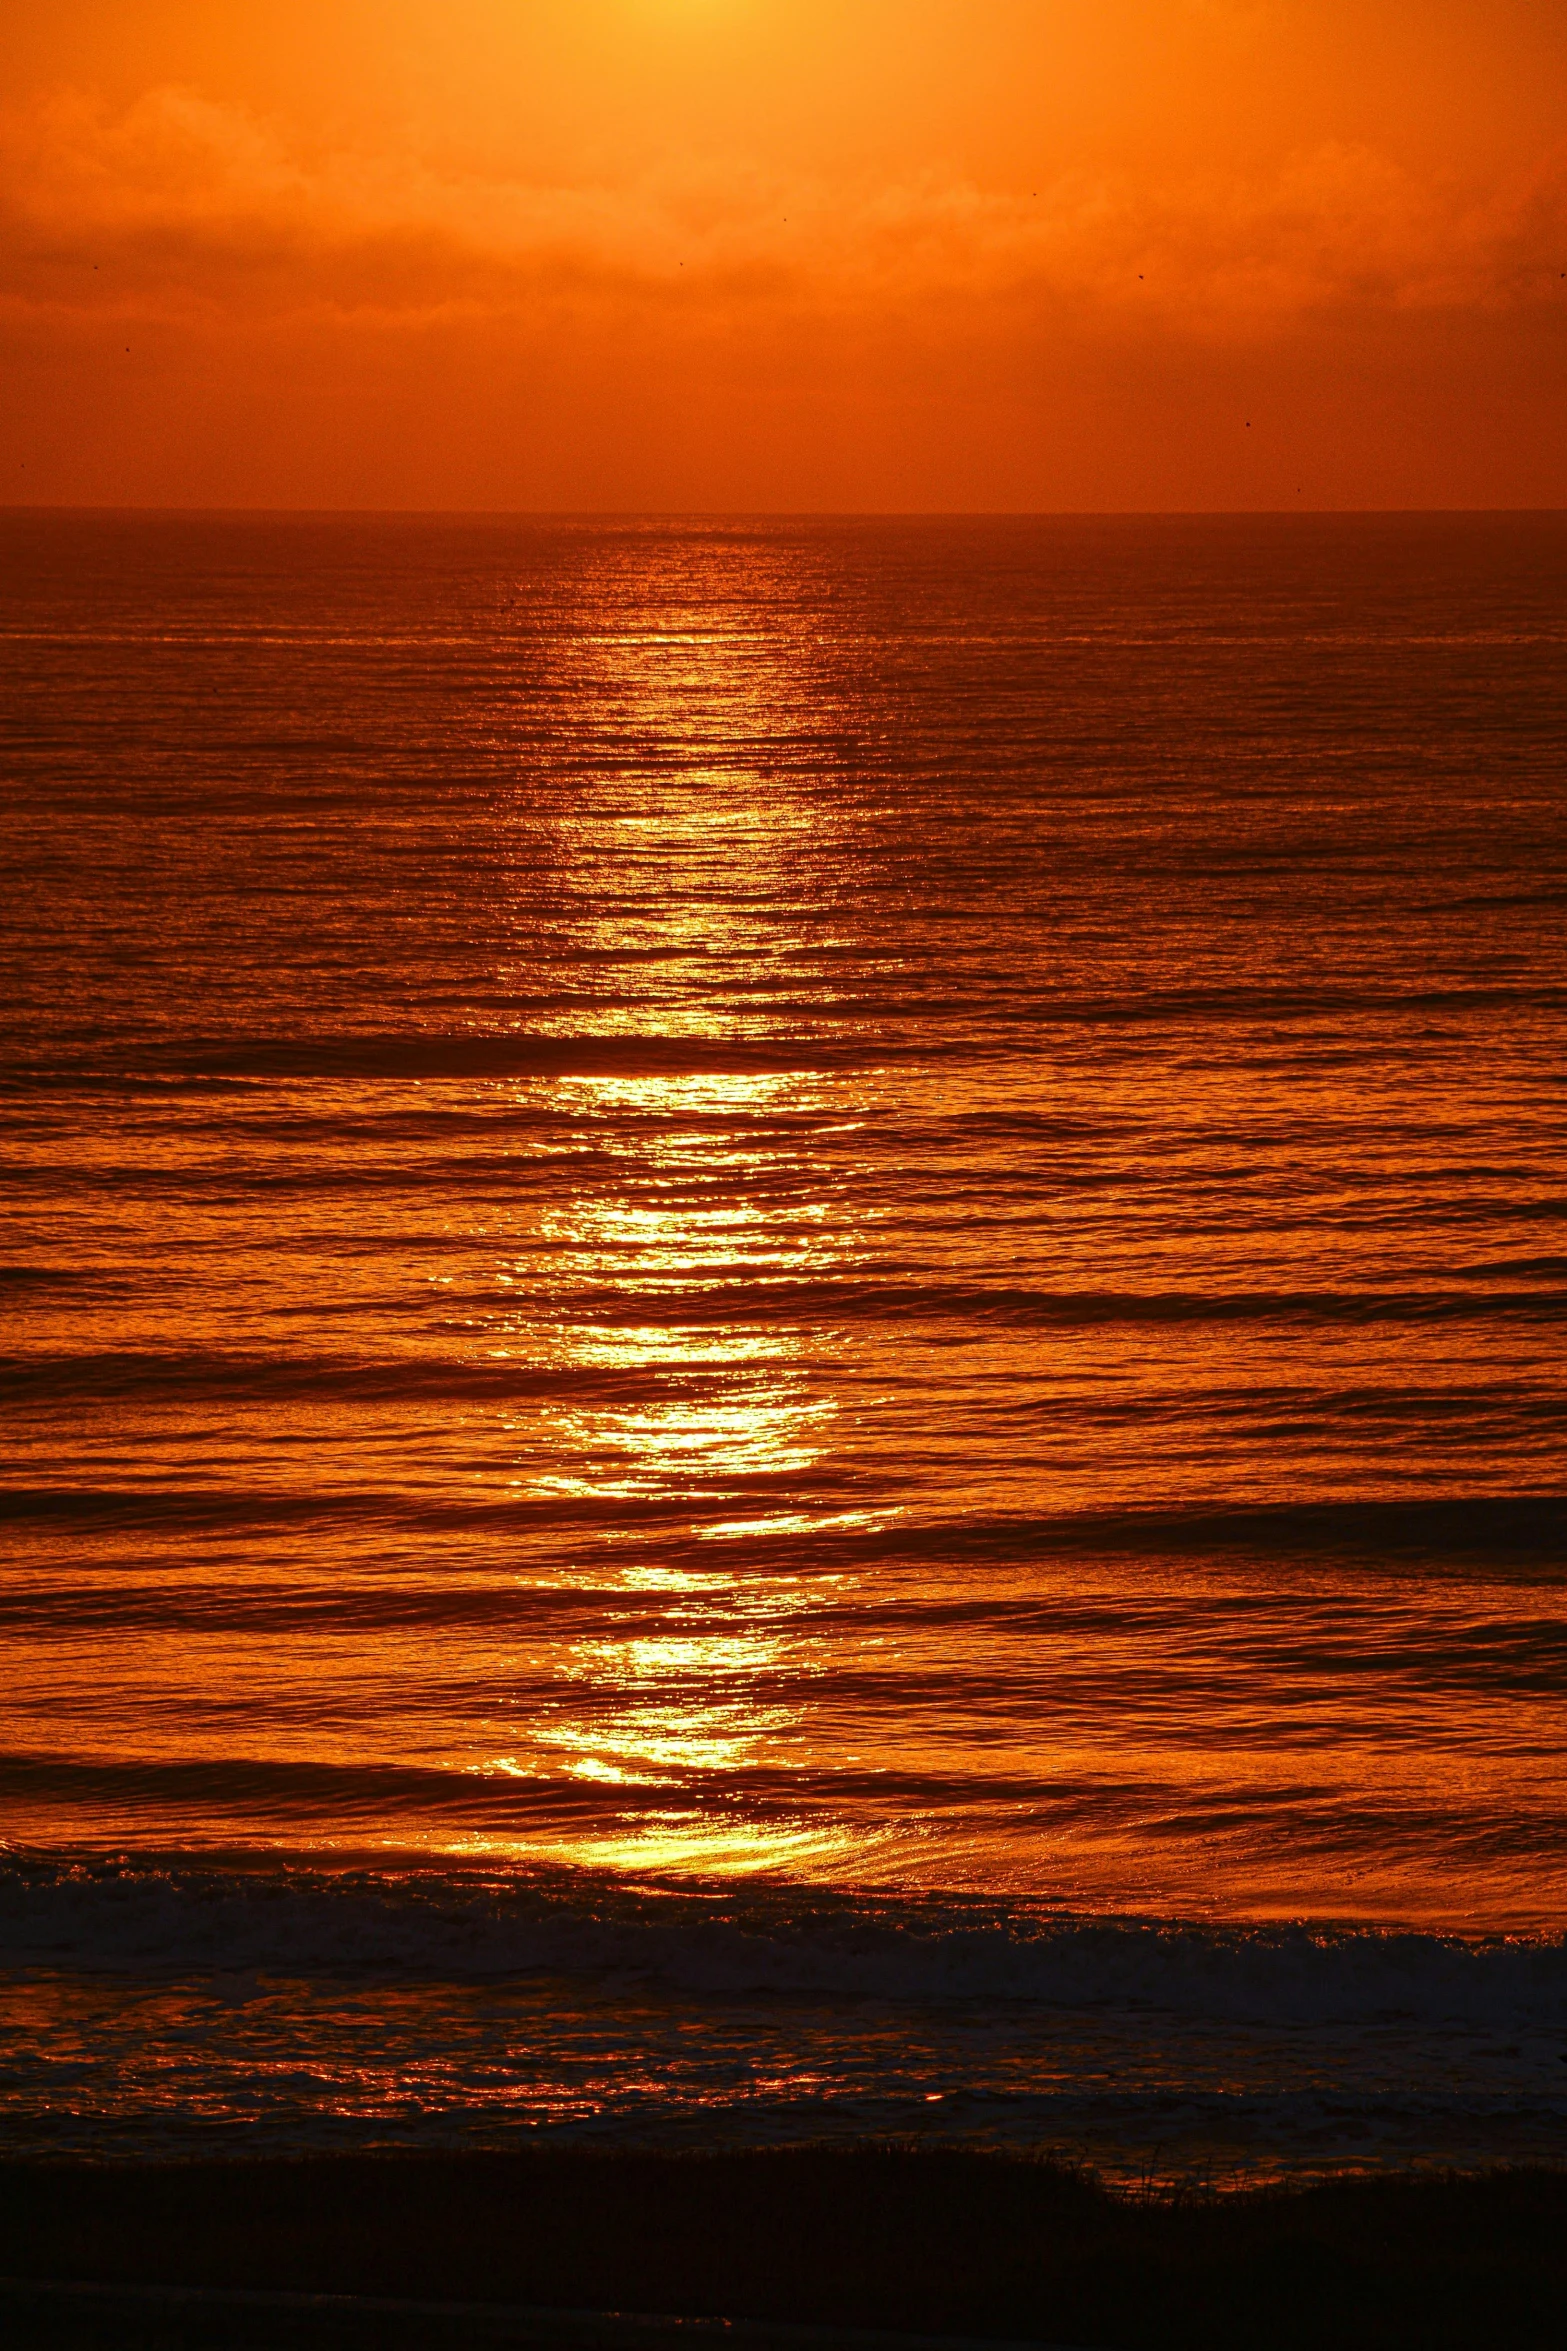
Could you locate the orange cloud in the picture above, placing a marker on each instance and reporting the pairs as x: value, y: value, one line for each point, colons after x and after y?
x: 198, y: 305
x: 193, y: 207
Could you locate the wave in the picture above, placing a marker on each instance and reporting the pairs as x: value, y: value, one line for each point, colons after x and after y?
x: 162, y: 1066
x: 864, y: 1029
x: 1513, y: 1527
x: 146, y: 1374
x: 452, y: 1926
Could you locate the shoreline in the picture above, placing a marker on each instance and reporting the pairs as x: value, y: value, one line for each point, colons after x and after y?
x: 875, y: 2238
x: 334, y: 2322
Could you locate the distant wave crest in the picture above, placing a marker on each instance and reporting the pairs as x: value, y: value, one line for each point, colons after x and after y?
x: 454, y: 1926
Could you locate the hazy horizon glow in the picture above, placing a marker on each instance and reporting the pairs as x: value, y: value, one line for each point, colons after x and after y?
x: 737, y: 253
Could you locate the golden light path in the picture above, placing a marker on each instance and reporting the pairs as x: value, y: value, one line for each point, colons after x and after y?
x: 717, y: 1210
x: 684, y: 1705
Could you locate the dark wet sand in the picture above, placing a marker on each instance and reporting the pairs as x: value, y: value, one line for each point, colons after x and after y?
x: 935, y: 2242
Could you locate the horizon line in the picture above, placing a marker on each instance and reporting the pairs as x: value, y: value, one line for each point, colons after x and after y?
x: 773, y: 513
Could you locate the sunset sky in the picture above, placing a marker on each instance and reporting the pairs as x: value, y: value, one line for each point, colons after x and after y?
x: 855, y: 254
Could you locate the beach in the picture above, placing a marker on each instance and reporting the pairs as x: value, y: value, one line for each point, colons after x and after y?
x: 933, y: 2243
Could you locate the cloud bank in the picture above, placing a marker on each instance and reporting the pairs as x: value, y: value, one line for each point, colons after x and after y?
x: 184, y: 209
x: 198, y: 306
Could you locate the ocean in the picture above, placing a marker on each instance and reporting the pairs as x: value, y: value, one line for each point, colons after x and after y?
x: 784, y: 1350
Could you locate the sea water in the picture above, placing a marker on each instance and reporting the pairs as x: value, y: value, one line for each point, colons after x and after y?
x: 785, y: 1334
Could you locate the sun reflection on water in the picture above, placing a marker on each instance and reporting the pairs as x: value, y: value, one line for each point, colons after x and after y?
x: 699, y: 1210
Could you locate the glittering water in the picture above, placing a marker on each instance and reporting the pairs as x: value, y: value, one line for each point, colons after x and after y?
x: 785, y: 1331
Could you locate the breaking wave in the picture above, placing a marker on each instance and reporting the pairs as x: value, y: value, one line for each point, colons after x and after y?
x: 455, y: 1927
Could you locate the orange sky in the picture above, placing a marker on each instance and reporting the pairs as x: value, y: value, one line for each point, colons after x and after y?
x: 861, y: 254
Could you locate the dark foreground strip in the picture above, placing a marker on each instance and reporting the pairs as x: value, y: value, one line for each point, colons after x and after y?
x: 191, y: 2318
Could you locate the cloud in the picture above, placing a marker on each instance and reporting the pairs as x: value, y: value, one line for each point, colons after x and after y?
x: 178, y: 207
